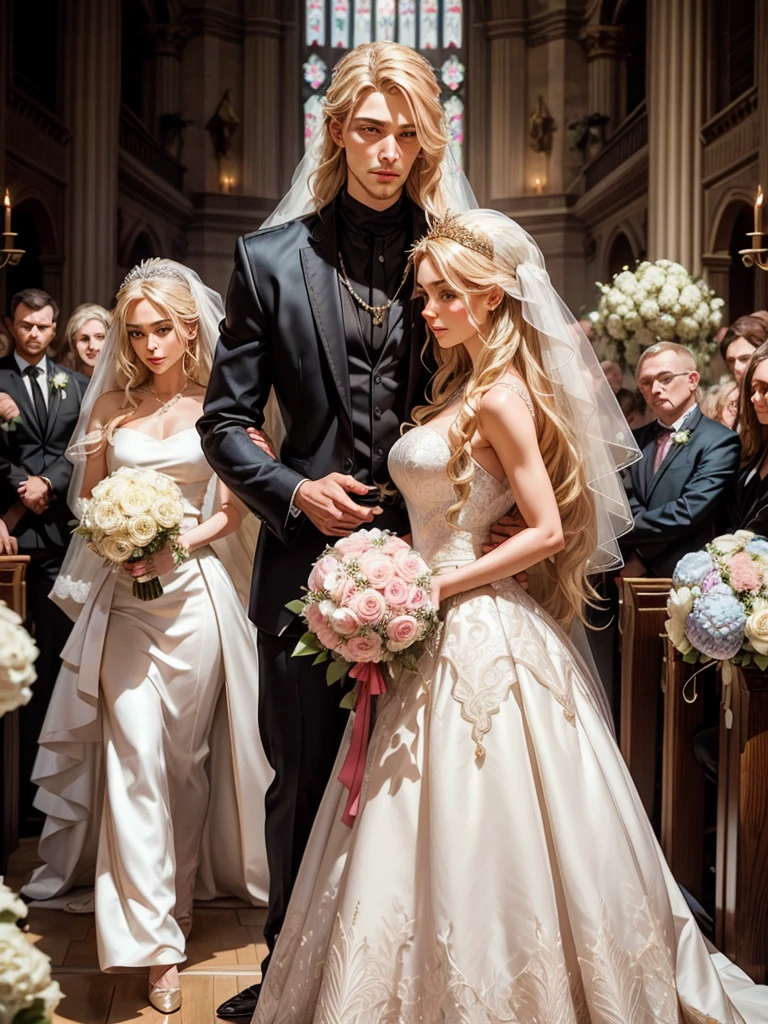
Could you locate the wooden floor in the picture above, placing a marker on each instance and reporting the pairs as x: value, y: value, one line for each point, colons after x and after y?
x: 223, y: 956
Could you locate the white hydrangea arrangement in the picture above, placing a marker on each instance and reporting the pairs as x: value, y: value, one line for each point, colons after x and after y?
x: 657, y: 301
x: 27, y: 993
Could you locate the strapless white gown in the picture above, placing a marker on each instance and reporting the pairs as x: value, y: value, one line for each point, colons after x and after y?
x: 502, y: 868
x: 151, y: 770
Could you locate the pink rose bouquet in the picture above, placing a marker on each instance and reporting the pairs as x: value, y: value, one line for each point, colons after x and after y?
x: 367, y: 602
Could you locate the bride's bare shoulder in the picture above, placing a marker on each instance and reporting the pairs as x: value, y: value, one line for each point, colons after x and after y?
x: 506, y: 394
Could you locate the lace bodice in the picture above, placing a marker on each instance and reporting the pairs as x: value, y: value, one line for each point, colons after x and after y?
x: 180, y: 456
x: 417, y: 464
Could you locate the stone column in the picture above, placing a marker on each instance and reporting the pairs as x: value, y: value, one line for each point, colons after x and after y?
x: 675, y: 48
x: 761, y: 79
x: 507, y: 124
x: 5, y: 43
x: 604, y: 45
x: 167, y: 42
x: 93, y: 113
x: 264, y: 114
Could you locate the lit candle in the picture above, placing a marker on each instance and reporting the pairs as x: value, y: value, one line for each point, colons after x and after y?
x: 7, y: 201
x: 759, y: 211
x: 539, y: 186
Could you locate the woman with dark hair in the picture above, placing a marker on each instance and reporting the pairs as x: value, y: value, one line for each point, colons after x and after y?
x: 749, y: 508
x: 742, y: 338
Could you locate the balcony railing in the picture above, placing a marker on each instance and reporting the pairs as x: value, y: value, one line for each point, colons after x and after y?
x: 629, y: 139
x: 137, y: 141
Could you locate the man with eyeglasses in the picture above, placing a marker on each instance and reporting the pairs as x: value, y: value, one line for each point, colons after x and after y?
x: 688, y: 464
x: 45, y: 400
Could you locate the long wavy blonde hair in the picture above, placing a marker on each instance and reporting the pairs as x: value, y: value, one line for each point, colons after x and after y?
x: 384, y: 67
x: 511, y: 344
x: 173, y: 300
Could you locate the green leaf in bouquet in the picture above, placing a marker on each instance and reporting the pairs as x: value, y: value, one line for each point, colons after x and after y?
x: 322, y: 656
x: 336, y: 671
x: 297, y: 606
x: 8, y: 917
x: 761, y: 660
x: 691, y: 658
x: 746, y: 659
x: 349, y: 701
x: 34, y: 1014
x: 308, y: 644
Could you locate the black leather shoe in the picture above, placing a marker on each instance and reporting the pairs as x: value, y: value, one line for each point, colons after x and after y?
x: 243, y: 1005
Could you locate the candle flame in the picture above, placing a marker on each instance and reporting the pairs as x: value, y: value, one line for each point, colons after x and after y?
x: 759, y: 200
x: 7, y: 200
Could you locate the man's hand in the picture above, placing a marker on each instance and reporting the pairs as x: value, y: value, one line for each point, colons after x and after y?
x: 508, y: 526
x: 8, y: 408
x: 8, y: 544
x: 262, y: 440
x: 633, y: 567
x: 325, y: 502
x: 35, y: 494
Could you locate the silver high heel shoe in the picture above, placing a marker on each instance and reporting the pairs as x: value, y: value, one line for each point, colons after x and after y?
x: 165, y: 1000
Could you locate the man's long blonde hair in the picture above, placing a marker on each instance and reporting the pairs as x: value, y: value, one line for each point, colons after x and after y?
x: 511, y: 344
x: 384, y: 67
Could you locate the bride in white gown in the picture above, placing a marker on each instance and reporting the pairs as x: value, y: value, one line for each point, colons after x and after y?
x: 501, y: 867
x: 151, y: 771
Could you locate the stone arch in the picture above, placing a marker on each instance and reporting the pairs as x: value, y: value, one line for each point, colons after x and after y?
x: 727, y: 274
x: 623, y: 247
x: 725, y: 217
x: 142, y: 244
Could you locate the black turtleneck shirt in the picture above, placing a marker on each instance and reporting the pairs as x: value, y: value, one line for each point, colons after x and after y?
x: 374, y: 246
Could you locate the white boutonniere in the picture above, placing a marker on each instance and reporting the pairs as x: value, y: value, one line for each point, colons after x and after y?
x: 58, y: 382
x: 681, y: 437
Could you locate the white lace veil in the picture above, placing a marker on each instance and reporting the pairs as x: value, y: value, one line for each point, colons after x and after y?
x: 298, y: 201
x: 81, y: 565
x: 584, y: 398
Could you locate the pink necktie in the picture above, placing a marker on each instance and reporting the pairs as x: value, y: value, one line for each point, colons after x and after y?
x: 663, y: 442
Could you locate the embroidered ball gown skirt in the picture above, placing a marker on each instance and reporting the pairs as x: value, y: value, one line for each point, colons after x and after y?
x: 501, y: 868
x: 151, y: 770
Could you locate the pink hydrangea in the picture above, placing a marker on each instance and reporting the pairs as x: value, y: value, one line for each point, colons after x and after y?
x: 745, y: 574
x: 369, y: 606
x: 363, y: 648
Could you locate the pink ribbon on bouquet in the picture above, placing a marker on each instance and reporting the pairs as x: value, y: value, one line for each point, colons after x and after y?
x: 370, y: 684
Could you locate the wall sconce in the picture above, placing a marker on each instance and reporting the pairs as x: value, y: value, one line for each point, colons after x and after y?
x: 757, y: 255
x: 538, y: 185
x: 9, y: 256
x: 226, y: 184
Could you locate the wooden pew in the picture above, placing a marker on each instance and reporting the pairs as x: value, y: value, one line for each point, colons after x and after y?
x: 641, y: 623
x: 683, y: 781
x: 13, y: 592
x: 741, y: 925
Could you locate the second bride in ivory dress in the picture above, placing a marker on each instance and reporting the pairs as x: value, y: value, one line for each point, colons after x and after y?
x: 501, y: 867
x: 151, y: 771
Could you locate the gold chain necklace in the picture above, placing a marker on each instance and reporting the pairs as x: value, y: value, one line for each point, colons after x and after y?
x: 377, y: 312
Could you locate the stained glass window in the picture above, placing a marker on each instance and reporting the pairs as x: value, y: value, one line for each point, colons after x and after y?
x: 433, y: 27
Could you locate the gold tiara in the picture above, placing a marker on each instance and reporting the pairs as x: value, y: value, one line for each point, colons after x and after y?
x: 451, y: 227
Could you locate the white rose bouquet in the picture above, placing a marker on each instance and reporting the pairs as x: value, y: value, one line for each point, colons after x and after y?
x: 133, y: 514
x: 26, y: 991
x: 18, y: 653
x: 656, y: 302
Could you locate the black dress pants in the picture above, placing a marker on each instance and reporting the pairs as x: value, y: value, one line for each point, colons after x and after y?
x: 301, y: 726
x: 50, y: 628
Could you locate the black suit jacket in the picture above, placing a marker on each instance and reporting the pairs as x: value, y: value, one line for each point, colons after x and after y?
x: 284, y: 329
x: 676, y: 510
x: 31, y: 451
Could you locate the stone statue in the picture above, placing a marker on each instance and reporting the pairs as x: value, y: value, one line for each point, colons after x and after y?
x: 542, y: 128
x: 222, y: 126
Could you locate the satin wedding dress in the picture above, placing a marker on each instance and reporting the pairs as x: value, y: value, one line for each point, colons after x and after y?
x: 151, y: 770
x: 501, y: 868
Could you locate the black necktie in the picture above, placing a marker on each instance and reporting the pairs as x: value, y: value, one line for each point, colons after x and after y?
x: 37, y: 395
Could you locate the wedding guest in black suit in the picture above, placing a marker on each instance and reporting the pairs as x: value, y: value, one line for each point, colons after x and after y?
x: 689, y: 462
x: 33, y: 494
